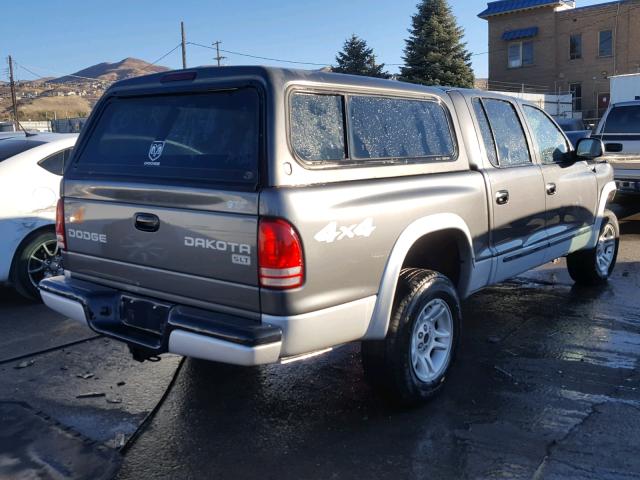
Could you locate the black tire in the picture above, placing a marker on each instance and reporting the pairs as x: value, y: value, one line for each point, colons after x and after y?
x: 20, y: 272
x: 583, y: 264
x: 388, y: 363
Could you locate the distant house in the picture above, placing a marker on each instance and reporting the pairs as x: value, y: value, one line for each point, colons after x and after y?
x: 553, y: 46
x: 481, y: 83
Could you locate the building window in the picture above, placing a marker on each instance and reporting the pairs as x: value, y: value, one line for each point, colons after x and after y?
x: 605, y: 48
x: 575, y: 46
x: 520, y: 54
x: 576, y: 94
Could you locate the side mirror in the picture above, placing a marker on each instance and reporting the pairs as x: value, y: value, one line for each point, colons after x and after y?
x: 589, y: 149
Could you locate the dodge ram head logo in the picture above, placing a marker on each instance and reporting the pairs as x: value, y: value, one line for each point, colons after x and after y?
x: 155, y: 151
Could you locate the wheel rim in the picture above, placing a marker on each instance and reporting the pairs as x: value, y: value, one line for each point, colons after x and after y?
x: 606, y: 250
x: 431, y: 340
x: 45, y: 262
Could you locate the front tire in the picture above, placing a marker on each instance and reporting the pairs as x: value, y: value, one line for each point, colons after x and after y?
x: 412, y: 362
x: 38, y: 257
x: 594, y: 266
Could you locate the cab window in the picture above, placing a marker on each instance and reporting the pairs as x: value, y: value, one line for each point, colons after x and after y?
x: 549, y: 140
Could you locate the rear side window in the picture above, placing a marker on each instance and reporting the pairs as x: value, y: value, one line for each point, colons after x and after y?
x: 317, y: 127
x: 395, y: 128
x: 212, y: 137
x: 508, y: 133
x: 623, y: 120
x: 13, y: 146
x: 485, y: 131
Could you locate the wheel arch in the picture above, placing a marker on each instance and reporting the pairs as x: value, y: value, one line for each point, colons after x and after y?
x: 436, y: 228
x: 25, y: 240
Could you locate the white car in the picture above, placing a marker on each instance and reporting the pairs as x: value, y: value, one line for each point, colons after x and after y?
x: 30, y: 172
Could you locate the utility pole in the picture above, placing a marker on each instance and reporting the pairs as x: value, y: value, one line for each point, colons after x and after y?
x: 218, y: 57
x: 184, y: 46
x: 13, y: 95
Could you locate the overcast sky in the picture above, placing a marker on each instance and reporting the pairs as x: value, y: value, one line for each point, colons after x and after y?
x: 63, y: 37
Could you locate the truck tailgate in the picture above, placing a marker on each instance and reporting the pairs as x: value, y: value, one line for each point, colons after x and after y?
x: 202, y: 255
x: 161, y: 197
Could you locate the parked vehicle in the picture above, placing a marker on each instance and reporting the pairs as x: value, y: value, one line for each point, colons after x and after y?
x: 248, y: 214
x: 619, y: 129
x: 30, y: 172
x: 574, y: 129
x: 6, y: 135
x: 624, y: 88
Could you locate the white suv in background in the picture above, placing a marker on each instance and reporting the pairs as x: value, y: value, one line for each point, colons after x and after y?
x: 619, y: 129
x: 31, y: 167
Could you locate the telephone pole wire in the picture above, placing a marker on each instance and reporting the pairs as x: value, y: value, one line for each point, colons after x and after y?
x: 184, y: 46
x: 13, y: 95
x: 218, y: 57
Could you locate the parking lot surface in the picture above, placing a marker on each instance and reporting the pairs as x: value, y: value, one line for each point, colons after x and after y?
x: 545, y: 386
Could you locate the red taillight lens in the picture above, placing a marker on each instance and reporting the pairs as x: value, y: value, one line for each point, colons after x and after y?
x: 60, y: 235
x: 280, y: 255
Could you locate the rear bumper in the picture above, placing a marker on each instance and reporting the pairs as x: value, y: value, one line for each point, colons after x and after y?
x: 155, y: 327
x: 627, y: 180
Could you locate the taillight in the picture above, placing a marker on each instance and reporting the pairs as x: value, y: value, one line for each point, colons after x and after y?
x: 280, y: 256
x: 60, y: 235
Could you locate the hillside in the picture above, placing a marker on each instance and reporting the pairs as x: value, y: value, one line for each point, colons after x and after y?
x: 111, y: 72
x: 47, y: 107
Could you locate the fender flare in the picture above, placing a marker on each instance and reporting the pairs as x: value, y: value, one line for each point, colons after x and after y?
x: 602, y: 205
x: 386, y: 292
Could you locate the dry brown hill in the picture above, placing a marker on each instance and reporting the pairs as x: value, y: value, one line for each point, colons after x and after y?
x: 45, y: 108
x: 111, y: 72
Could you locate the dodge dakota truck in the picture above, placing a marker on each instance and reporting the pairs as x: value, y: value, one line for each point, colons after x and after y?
x: 249, y: 215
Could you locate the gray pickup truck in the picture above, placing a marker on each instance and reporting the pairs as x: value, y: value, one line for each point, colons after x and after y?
x: 249, y: 215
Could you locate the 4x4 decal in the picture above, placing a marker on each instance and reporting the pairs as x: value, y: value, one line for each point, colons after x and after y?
x: 332, y: 232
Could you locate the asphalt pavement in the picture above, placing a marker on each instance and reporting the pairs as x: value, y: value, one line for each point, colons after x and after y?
x: 545, y: 385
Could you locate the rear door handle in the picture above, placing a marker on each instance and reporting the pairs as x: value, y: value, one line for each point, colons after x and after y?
x: 502, y: 197
x: 147, y: 222
x: 551, y: 188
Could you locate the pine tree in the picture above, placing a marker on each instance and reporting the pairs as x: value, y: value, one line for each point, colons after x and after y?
x: 357, y: 58
x: 435, y: 53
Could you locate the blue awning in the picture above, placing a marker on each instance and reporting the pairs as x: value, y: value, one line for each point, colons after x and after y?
x: 518, y: 34
x: 509, y: 6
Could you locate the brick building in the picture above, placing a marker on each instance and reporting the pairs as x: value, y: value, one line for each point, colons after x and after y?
x: 557, y: 46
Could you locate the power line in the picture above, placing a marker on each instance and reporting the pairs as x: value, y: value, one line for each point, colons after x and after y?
x: 38, y: 77
x: 230, y: 52
x: 163, y: 56
x: 259, y: 57
x: 29, y: 69
x: 61, y: 74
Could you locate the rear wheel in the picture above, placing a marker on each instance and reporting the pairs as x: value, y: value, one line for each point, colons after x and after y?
x: 412, y: 362
x: 38, y: 258
x: 594, y: 266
